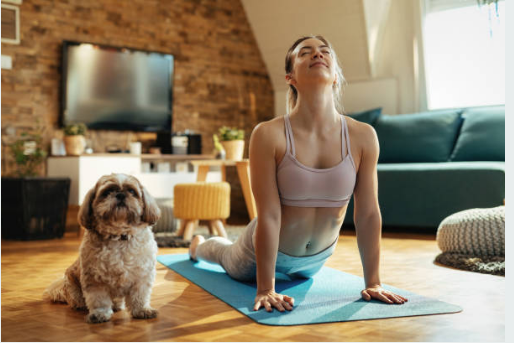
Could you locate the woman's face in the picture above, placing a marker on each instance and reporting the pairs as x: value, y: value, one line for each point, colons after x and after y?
x: 313, y: 62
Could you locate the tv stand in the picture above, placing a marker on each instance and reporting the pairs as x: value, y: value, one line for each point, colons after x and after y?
x: 85, y: 170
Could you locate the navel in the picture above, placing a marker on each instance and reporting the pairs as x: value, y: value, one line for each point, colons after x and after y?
x: 308, y: 245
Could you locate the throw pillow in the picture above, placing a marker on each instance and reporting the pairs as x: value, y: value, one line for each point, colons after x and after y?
x: 368, y: 117
x: 420, y: 137
x: 482, y: 137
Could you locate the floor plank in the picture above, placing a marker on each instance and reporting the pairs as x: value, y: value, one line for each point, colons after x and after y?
x: 187, y: 313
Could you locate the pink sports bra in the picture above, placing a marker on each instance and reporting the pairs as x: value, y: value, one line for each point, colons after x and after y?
x: 304, y: 186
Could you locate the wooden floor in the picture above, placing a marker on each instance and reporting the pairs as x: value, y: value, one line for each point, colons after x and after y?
x: 188, y: 313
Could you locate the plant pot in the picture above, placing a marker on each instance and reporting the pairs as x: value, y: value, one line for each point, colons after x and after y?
x: 34, y: 207
x: 234, y: 149
x: 75, y: 145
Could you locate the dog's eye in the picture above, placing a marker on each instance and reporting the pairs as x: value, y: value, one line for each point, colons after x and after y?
x: 133, y: 192
x: 107, y: 192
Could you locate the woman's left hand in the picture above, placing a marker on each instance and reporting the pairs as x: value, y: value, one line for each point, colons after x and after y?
x: 379, y: 293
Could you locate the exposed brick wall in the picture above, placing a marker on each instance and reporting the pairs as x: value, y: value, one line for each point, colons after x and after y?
x: 220, y: 78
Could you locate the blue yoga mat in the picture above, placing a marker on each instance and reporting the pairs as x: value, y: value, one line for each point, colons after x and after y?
x: 330, y: 296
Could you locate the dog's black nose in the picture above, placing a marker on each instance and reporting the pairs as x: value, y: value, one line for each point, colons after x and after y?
x: 120, y: 196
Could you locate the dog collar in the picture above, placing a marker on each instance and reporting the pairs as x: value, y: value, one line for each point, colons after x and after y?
x: 124, y: 237
x: 119, y: 238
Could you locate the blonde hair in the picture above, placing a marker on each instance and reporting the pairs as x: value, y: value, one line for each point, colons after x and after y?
x: 337, y: 88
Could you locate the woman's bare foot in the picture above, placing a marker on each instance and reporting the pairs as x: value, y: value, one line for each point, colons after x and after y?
x: 195, y: 242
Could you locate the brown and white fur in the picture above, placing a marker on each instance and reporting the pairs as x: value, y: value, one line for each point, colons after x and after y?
x: 116, y: 262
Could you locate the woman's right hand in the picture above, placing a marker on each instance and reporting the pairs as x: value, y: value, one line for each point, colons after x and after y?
x: 269, y: 299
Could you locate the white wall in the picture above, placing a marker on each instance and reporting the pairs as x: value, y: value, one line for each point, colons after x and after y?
x: 401, y: 54
x: 359, y: 96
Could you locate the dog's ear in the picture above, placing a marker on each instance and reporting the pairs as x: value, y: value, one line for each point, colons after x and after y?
x: 151, y: 212
x: 85, y: 216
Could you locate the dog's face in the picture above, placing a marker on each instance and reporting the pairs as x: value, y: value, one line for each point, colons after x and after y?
x: 118, y: 202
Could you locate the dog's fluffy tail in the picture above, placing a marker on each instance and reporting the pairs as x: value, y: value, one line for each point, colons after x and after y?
x: 55, y: 292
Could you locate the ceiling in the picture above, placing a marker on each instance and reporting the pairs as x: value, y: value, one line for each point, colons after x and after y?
x: 352, y: 26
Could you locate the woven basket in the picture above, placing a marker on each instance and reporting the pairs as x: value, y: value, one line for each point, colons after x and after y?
x: 234, y: 149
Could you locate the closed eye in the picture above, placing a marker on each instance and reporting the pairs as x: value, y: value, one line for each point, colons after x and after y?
x: 305, y: 53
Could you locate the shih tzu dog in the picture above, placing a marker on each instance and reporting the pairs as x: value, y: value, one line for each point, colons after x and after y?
x: 116, y: 263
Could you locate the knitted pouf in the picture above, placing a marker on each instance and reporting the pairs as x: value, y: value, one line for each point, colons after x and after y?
x: 201, y: 201
x: 478, y: 232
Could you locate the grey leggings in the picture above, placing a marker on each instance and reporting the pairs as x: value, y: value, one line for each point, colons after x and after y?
x: 238, y: 259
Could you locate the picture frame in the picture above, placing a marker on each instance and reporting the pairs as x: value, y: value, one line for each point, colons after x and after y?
x: 11, y: 28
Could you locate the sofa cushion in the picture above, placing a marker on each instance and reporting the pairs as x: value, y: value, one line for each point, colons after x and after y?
x: 482, y: 136
x: 423, y: 194
x: 368, y: 117
x: 419, y: 137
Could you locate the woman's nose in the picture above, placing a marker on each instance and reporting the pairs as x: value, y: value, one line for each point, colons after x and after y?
x: 318, y: 54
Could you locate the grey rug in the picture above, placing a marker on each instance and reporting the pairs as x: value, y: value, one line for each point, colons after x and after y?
x: 481, y: 264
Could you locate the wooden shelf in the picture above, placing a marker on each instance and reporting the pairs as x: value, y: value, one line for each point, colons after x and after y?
x: 145, y: 156
x: 170, y: 157
x: 210, y: 162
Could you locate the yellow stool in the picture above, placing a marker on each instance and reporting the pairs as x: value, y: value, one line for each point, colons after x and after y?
x: 201, y: 201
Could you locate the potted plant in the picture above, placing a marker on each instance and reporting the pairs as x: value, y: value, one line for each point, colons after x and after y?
x: 74, y: 140
x: 232, y: 140
x: 28, y: 154
x: 219, y: 151
x: 33, y: 207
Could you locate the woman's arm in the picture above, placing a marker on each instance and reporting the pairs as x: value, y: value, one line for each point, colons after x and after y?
x: 367, y: 218
x: 265, y: 191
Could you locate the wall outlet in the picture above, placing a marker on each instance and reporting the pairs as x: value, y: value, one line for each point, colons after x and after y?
x: 6, y: 62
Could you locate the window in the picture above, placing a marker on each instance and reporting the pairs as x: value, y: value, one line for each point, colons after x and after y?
x: 464, y: 54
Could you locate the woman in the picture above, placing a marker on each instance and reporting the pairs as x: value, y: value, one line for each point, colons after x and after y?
x: 302, y: 183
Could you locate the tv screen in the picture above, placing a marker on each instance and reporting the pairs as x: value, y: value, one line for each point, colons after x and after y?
x: 114, y: 88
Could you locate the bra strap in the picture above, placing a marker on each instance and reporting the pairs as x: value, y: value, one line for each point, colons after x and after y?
x: 347, y: 139
x: 289, y: 135
x: 343, y: 135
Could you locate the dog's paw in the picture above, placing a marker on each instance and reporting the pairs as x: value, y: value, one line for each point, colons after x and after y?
x: 79, y: 307
x: 98, y: 317
x: 144, y: 313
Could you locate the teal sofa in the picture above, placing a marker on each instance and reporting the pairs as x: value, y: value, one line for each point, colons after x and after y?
x: 436, y: 163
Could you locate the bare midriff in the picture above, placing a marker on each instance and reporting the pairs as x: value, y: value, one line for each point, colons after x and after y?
x: 307, y: 231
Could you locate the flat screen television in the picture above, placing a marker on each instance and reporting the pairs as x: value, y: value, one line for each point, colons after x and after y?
x: 113, y: 88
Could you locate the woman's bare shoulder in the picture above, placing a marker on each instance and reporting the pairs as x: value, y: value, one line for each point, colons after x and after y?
x: 270, y: 129
x: 360, y: 130
x: 269, y: 137
x: 272, y: 124
x: 362, y: 134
